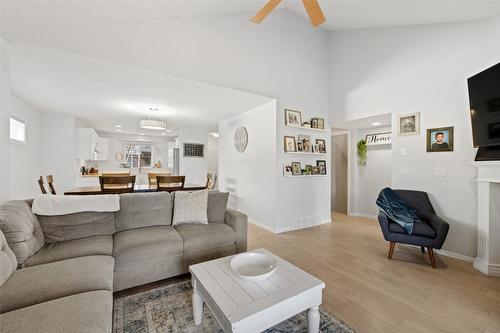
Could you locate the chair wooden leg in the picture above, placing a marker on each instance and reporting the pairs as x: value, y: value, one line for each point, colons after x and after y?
x: 391, y: 249
x: 431, y: 257
x: 422, y: 249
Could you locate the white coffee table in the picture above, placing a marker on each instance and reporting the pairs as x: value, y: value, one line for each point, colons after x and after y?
x: 244, y: 306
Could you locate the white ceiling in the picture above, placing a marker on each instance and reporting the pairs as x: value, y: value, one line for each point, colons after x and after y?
x: 104, y: 94
x: 20, y: 17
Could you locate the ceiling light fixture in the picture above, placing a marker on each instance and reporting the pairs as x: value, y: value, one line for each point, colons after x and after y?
x: 118, y: 126
x: 214, y: 134
x: 118, y: 130
x: 152, y: 123
x: 376, y: 124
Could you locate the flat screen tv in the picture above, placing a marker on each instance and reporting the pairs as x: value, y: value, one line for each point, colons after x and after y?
x: 484, y: 100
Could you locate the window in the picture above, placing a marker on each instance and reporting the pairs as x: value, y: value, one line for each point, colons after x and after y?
x: 194, y: 150
x: 138, y: 155
x: 17, y: 130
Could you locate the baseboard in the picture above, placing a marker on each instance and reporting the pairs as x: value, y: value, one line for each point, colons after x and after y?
x: 368, y: 216
x: 488, y: 269
x: 455, y: 255
x: 286, y: 229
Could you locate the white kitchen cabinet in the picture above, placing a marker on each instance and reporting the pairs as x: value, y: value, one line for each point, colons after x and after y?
x: 89, y: 146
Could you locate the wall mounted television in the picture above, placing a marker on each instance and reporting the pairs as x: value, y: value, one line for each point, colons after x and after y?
x: 484, y: 100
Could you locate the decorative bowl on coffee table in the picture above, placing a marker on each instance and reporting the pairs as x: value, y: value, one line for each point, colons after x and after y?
x: 254, y: 266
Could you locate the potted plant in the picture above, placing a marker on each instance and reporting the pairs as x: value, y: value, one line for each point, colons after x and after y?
x: 362, y: 152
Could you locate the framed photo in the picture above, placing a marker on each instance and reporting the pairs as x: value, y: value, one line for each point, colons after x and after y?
x: 315, y: 170
x: 290, y: 145
x: 314, y: 123
x: 409, y: 124
x: 293, y: 118
x: 321, y: 164
x: 296, y: 168
x: 287, y: 170
x: 321, y: 123
x: 440, y: 139
x: 308, y: 170
x: 300, y: 146
x: 315, y: 148
x: 321, y: 146
x: 306, y: 142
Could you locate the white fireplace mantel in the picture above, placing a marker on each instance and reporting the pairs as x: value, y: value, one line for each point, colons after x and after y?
x: 488, y: 217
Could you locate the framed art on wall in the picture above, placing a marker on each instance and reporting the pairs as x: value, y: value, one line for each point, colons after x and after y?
x: 321, y: 164
x: 440, y: 139
x: 290, y: 145
x: 305, y: 140
x: 321, y: 145
x: 296, y: 168
x: 293, y: 118
x: 409, y: 124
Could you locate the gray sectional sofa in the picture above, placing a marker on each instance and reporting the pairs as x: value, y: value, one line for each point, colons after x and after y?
x: 58, y: 273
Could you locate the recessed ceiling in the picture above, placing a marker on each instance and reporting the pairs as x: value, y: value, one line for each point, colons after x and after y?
x: 102, y: 94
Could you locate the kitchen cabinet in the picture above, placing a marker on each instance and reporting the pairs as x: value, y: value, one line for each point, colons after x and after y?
x: 89, y: 146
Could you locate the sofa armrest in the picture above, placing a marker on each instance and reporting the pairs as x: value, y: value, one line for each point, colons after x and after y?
x: 441, y: 227
x: 238, y: 221
x: 383, y: 220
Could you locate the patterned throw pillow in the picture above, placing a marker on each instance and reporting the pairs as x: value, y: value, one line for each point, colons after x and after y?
x: 190, y: 207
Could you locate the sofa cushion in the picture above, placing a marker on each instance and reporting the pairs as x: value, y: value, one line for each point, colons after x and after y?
x: 61, y: 228
x: 21, y: 229
x: 198, y: 237
x: 8, y: 261
x: 37, y: 284
x: 138, y: 210
x: 145, y: 245
x: 190, y: 207
x: 89, y: 246
x: 85, y: 312
x: 216, y: 207
x: 419, y: 229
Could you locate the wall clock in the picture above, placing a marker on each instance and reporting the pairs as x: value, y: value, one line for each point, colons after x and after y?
x: 240, y: 139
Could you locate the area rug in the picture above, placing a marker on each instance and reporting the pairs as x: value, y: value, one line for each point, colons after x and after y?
x: 168, y: 310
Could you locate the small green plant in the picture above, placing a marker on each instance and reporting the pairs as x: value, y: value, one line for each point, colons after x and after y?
x: 362, y: 153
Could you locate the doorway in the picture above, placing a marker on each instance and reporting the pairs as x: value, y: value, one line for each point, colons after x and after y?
x: 339, y: 171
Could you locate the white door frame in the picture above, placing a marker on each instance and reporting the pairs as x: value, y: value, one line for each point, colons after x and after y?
x: 349, y: 172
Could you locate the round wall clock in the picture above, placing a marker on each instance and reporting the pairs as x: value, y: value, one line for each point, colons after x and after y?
x: 118, y: 156
x: 240, y: 139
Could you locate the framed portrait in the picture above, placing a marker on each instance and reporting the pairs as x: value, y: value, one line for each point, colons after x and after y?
x: 440, y: 139
x: 293, y: 118
x: 290, y: 145
x: 314, y: 123
x: 308, y: 170
x: 315, y: 170
x: 321, y: 164
x: 296, y: 168
x: 321, y: 123
x: 287, y: 170
x: 315, y: 148
x: 300, y: 146
x: 321, y: 146
x: 305, y: 140
x: 409, y: 124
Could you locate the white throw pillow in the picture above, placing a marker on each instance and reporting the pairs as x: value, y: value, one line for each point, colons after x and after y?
x: 190, y: 207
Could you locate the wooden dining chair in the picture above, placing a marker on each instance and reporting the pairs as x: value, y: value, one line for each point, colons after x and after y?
x: 211, y: 180
x: 115, y: 174
x: 117, y: 184
x: 170, y: 183
x: 152, y: 177
x: 50, y: 184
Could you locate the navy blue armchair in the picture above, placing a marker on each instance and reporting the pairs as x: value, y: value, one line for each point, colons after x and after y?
x: 430, y: 234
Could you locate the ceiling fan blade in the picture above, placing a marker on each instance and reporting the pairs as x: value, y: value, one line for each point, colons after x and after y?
x: 314, y: 11
x: 264, y: 11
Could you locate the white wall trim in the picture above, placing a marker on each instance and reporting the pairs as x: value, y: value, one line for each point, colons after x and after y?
x: 488, y: 269
x: 456, y: 255
x: 262, y: 225
x: 368, y: 216
x: 286, y: 229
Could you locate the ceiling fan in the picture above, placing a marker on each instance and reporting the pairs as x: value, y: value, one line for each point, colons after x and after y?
x: 312, y: 7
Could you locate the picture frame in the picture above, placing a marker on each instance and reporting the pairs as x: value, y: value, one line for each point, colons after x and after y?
x: 306, y: 142
x: 314, y: 123
x: 409, y: 124
x: 308, y: 169
x: 321, y: 145
x: 321, y: 123
x: 293, y: 118
x: 287, y: 170
x: 315, y: 170
x: 321, y: 164
x: 300, y: 146
x: 315, y: 148
x: 440, y: 139
x: 296, y: 168
x: 290, y: 144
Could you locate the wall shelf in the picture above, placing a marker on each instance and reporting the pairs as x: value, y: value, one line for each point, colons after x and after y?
x: 303, y: 176
x: 307, y: 128
x: 305, y: 153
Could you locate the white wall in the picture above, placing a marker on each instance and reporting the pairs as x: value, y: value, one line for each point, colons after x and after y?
x: 194, y: 168
x: 212, y: 155
x: 24, y: 159
x: 250, y: 176
x: 4, y: 121
x: 58, y: 149
x: 420, y: 69
x: 370, y: 179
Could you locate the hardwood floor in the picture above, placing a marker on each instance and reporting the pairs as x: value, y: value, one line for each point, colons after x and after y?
x: 375, y: 294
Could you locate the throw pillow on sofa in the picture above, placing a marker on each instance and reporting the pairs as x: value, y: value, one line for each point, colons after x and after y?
x: 217, y: 206
x: 8, y: 261
x: 190, y: 207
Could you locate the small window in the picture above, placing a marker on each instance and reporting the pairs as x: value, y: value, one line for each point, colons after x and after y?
x: 194, y: 150
x: 138, y: 155
x: 17, y: 130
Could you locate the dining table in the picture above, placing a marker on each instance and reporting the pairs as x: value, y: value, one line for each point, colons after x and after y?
x: 93, y: 190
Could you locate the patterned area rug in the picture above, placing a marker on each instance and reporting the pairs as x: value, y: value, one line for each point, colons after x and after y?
x: 168, y: 309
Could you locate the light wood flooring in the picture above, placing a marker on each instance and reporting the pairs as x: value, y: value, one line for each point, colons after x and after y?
x: 374, y: 294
